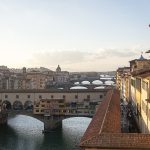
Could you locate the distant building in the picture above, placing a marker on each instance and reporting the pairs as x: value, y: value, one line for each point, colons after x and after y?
x: 138, y: 64
x: 61, y: 77
x: 122, y: 81
x: 25, y: 80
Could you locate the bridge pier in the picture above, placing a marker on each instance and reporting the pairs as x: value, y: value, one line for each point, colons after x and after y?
x: 51, y: 123
x: 3, y: 118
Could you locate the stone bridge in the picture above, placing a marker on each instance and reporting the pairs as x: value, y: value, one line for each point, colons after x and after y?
x: 51, y: 107
x: 51, y: 122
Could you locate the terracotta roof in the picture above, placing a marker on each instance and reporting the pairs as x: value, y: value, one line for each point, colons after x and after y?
x: 104, y: 131
x: 119, y: 141
x: 106, y: 118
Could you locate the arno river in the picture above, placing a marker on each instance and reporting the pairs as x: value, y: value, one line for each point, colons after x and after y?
x: 25, y: 133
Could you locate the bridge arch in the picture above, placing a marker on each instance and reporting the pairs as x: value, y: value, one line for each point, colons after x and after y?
x: 6, y: 105
x: 28, y: 105
x: 17, y: 105
x: 82, y: 116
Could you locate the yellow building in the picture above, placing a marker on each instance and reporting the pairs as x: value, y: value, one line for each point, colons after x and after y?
x: 49, y: 107
x: 134, y: 86
x: 142, y: 98
x: 123, y: 82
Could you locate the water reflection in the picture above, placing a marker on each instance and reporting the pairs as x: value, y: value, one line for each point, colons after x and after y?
x: 74, y: 132
x: 25, y: 133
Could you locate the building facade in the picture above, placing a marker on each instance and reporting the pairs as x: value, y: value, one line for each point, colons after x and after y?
x: 41, y: 78
x: 134, y: 87
x: 58, y: 102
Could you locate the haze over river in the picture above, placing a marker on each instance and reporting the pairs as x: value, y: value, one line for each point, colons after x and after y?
x: 25, y: 133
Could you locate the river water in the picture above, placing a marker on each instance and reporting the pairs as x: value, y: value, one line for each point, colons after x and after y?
x: 25, y: 133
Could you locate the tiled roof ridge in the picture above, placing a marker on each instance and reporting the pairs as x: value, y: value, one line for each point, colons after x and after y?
x: 98, y: 121
x: 103, y: 122
x: 112, y: 122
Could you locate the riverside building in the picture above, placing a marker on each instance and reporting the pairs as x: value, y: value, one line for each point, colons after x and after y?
x: 134, y: 86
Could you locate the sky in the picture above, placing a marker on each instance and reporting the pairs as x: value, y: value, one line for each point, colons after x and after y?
x: 79, y: 35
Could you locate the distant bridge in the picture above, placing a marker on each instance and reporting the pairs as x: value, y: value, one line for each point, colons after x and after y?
x: 93, y: 79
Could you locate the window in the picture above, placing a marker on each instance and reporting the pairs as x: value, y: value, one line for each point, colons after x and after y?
x: 149, y: 114
x: 42, y: 110
x: 17, y: 96
x: 28, y: 96
x: 133, y: 82
x: 61, y: 101
x: 61, y: 106
x: 6, y: 96
x: 88, y: 96
x: 40, y: 96
x: 101, y: 96
x: 76, y: 96
x: 43, y: 105
x: 52, y: 96
x: 64, y: 96
x: 68, y: 104
x: 73, y: 104
x: 145, y: 85
x: 144, y: 107
x: 37, y: 110
x: 138, y: 84
x: 64, y: 111
x: 135, y: 66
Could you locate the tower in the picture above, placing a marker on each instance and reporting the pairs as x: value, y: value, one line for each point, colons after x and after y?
x: 58, y: 69
x: 24, y: 70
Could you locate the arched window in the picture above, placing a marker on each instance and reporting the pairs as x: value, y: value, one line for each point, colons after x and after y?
x: 6, y: 105
x: 28, y: 105
x: 17, y: 105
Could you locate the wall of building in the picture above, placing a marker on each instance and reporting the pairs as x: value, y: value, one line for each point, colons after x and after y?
x: 134, y: 86
x: 145, y: 107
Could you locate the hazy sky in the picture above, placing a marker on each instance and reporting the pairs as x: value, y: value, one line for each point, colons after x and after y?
x: 80, y: 35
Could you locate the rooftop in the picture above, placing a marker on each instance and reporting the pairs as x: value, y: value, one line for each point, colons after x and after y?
x: 142, y: 73
x: 104, y: 131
